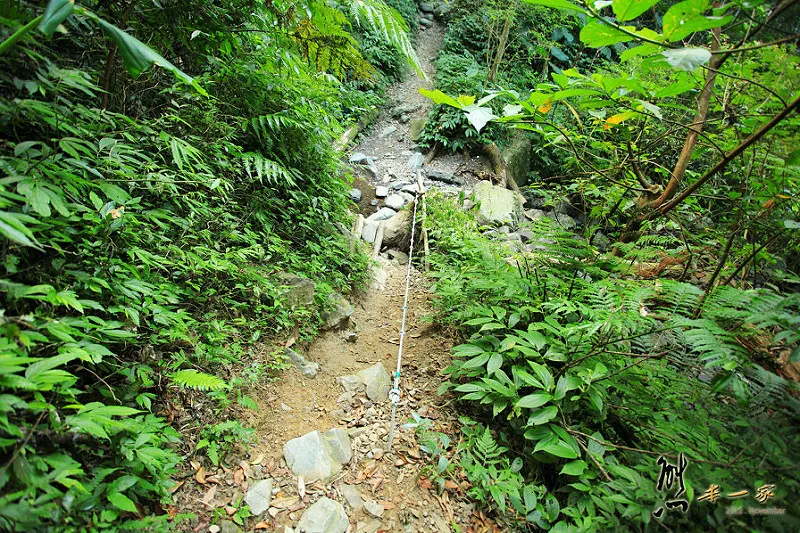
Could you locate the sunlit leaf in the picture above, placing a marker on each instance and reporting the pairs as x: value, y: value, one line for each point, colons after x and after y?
x: 56, y: 12
x: 479, y: 116
x: 630, y: 9
x: 439, y: 97
x: 558, y: 4
x: 138, y: 57
x: 687, y: 59
x: 685, y: 18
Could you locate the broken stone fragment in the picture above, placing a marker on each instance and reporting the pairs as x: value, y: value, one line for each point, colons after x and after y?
x: 259, y: 496
x: 307, y: 368
x: 339, y: 315
x: 325, y: 516
x: 378, y: 382
x: 318, y: 456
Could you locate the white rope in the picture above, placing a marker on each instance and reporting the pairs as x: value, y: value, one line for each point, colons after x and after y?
x: 394, y: 394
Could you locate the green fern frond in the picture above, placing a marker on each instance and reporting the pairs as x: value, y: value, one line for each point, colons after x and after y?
x: 267, y: 170
x: 262, y: 125
x: 197, y: 380
x: 390, y: 24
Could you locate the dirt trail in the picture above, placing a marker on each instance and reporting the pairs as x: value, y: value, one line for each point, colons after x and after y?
x: 296, y: 405
x: 389, y: 479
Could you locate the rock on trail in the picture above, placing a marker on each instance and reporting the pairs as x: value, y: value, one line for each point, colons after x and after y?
x: 316, y: 455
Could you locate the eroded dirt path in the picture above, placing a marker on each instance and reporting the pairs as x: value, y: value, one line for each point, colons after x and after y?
x: 295, y: 405
x: 298, y: 405
x: 393, y: 486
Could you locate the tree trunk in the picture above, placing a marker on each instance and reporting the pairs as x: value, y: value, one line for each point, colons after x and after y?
x: 502, y: 44
x: 500, y: 169
x: 697, y: 125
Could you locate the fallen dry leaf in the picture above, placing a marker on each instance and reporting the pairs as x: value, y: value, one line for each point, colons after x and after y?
x: 283, y: 503
x: 210, y: 495
x: 195, y: 464
x: 257, y: 460
x: 262, y: 525
x: 238, y: 476
x: 201, y: 475
x: 414, y: 453
x: 230, y: 510
x: 425, y: 483
x: 452, y: 485
x: 174, y: 488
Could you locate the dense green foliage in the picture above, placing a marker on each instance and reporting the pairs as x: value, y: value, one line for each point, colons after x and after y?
x: 588, y: 366
x: 589, y: 376
x: 144, y: 227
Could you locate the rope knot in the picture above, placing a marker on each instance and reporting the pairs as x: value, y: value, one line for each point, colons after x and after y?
x: 394, y: 396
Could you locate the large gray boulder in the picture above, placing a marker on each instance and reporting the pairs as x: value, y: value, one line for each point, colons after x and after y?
x: 396, y: 231
x: 384, y: 213
x: 338, y: 316
x: 299, y: 290
x: 370, y: 230
x: 518, y: 158
x: 394, y: 201
x: 325, y: 516
x: 378, y: 382
x: 562, y: 219
x: 318, y: 456
x: 416, y: 161
x: 497, y: 205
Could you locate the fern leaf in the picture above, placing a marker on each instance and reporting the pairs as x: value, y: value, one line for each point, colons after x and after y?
x: 389, y: 23
x: 197, y: 380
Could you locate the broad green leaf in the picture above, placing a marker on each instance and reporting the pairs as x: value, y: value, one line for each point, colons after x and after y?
x: 439, y: 97
x: 469, y: 387
x: 508, y: 343
x: 574, y: 468
x: 138, y: 57
x: 651, y: 108
x: 596, y: 399
x: 12, y: 228
x: 558, y: 4
x: 534, y: 400
x: 795, y: 356
x: 56, y: 12
x: 479, y: 116
x: 527, y: 378
x: 466, y: 350
x: 793, y: 159
x: 121, y: 501
x: 674, y: 89
x: 687, y: 59
x: 630, y: 9
x: 597, y: 34
x: 685, y: 18
x: 543, y: 415
x: 543, y: 373
x: 477, y: 361
x: 644, y: 49
x: 465, y: 100
x: 561, y: 449
x: 495, y: 362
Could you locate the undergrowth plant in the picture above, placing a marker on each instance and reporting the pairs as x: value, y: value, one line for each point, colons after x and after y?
x: 145, y: 229
x: 589, y: 377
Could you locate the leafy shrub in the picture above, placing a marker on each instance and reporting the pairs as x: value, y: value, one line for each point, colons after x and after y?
x: 563, y: 358
x: 141, y: 247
